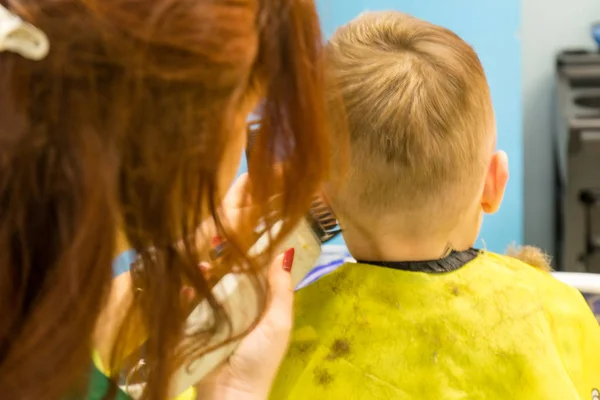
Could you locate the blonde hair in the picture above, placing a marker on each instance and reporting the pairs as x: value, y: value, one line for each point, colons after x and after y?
x: 419, y: 114
x: 532, y: 256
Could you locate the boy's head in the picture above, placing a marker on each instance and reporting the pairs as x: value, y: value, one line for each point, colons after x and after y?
x: 422, y: 129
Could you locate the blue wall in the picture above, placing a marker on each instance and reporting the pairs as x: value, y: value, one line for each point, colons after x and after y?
x: 491, y: 27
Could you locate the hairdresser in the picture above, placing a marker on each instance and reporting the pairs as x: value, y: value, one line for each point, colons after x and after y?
x: 121, y: 127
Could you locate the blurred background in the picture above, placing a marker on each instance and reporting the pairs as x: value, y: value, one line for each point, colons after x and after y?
x: 543, y: 67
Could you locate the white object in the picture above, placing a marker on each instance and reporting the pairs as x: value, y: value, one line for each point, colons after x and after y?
x: 584, y: 282
x: 237, y: 294
x: 332, y: 257
x: 238, y: 297
x: 18, y: 36
x: 306, y: 245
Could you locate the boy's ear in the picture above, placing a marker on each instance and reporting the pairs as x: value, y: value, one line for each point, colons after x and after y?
x: 495, y: 183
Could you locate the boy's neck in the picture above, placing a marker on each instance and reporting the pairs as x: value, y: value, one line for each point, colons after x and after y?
x: 397, y: 248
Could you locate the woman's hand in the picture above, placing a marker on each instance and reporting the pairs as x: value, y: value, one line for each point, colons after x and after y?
x: 239, y: 207
x: 251, y: 369
x: 238, y: 213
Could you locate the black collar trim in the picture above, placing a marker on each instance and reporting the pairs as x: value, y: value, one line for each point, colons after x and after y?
x: 452, y: 262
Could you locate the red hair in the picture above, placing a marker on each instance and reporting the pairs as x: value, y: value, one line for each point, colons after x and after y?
x: 124, y: 126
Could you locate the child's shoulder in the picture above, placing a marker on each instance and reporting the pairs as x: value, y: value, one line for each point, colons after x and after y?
x: 523, y: 259
x: 521, y: 270
x: 535, y: 273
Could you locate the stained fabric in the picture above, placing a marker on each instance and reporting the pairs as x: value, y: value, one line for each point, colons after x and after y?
x: 495, y: 328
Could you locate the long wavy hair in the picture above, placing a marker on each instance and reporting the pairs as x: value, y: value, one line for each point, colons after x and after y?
x: 124, y: 128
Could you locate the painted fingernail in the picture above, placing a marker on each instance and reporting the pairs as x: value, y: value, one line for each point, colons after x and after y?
x: 288, y: 259
x: 216, y: 241
x: 218, y: 244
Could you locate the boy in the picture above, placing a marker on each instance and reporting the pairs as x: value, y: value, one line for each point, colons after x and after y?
x: 469, y: 324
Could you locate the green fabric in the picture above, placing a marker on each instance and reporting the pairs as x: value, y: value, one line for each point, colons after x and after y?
x: 99, y: 385
x: 493, y: 329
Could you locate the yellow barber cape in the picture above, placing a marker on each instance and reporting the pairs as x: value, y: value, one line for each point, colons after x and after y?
x: 495, y: 328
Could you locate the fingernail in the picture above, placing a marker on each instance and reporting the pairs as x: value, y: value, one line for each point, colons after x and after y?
x: 216, y: 241
x: 288, y: 259
x: 218, y: 244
